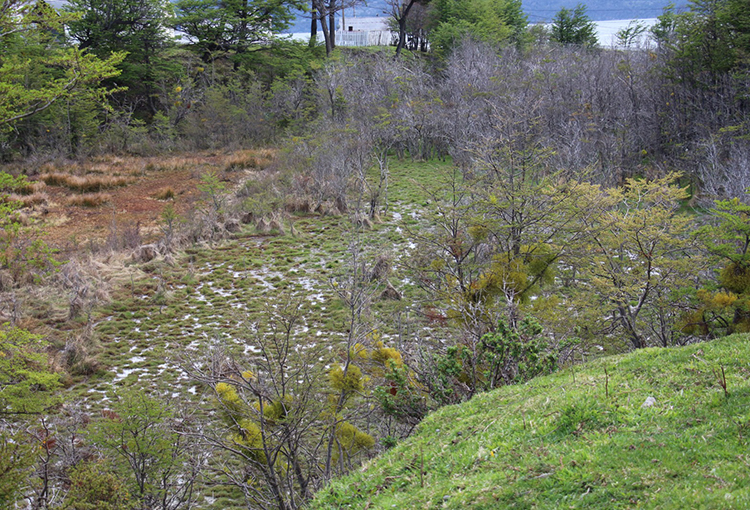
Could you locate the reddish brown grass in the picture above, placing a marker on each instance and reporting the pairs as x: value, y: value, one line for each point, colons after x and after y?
x: 54, y: 178
x: 90, y: 199
x: 165, y: 194
x: 29, y: 200
x: 30, y: 188
x: 86, y: 184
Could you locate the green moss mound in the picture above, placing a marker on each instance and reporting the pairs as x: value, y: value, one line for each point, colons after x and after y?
x: 581, y: 438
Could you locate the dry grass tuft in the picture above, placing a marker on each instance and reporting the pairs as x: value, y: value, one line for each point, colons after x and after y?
x: 54, y: 178
x: 165, y: 194
x: 241, y: 160
x: 29, y: 200
x: 92, y: 184
x: 86, y: 184
x: 30, y: 188
x: 245, y: 160
x: 90, y: 199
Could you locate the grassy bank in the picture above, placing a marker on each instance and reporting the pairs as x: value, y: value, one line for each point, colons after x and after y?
x: 581, y: 438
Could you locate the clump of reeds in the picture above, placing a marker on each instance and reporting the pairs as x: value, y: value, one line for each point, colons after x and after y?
x: 28, y: 200
x: 29, y: 188
x: 54, y: 178
x: 85, y: 184
x: 90, y: 199
x: 165, y: 194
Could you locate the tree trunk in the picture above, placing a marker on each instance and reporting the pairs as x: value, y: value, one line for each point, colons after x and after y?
x: 402, y: 28
x: 332, y: 22
x: 321, y: 16
x: 313, y: 24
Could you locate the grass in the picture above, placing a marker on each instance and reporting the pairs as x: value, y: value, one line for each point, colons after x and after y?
x: 86, y: 184
x: 165, y: 194
x: 90, y: 199
x: 248, y: 159
x: 158, y: 314
x: 218, y: 291
x: 29, y: 200
x: 580, y: 438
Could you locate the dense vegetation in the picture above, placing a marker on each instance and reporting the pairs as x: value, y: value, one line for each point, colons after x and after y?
x: 652, y: 429
x: 367, y: 237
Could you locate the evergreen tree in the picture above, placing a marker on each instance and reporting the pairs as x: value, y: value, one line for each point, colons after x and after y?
x: 220, y: 27
x: 574, y: 27
x: 489, y: 21
x: 37, y: 69
x: 138, y: 27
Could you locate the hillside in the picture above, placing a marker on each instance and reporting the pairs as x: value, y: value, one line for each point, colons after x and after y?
x: 581, y: 438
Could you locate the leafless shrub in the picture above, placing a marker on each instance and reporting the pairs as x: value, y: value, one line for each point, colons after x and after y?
x: 6, y: 280
x: 724, y: 170
x: 123, y: 238
x: 382, y: 268
x: 146, y: 253
x: 262, y: 227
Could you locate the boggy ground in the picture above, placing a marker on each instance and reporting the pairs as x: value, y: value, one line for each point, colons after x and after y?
x: 152, y: 183
x: 153, y: 318
x: 162, y: 313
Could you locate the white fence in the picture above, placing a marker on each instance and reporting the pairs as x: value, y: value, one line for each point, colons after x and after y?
x: 364, y: 38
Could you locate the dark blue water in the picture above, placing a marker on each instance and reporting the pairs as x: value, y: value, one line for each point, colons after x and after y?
x: 537, y: 11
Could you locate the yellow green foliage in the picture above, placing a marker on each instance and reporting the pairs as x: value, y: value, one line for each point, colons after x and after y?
x: 350, y: 382
x: 724, y: 310
x: 502, y: 275
x: 233, y: 405
x: 226, y: 392
x: 277, y: 411
x: 228, y: 396
x: 353, y: 440
x: 437, y: 264
x: 358, y: 352
x: 26, y: 378
x: 735, y: 278
x: 386, y: 355
x: 515, y: 275
x: 724, y: 299
x: 248, y: 435
x: 478, y: 233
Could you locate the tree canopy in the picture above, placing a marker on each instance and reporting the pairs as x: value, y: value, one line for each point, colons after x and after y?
x: 37, y: 69
x: 232, y: 25
x: 574, y: 27
x: 489, y: 21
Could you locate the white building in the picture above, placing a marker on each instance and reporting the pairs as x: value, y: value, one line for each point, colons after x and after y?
x: 373, y: 31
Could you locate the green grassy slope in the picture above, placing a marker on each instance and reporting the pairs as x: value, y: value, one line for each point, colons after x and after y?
x: 580, y: 438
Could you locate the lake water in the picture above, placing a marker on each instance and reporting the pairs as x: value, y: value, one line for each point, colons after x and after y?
x: 606, y: 31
